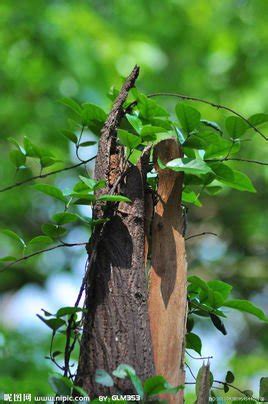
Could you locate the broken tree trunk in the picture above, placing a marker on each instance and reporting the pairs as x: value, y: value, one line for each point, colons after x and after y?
x: 116, y: 325
x: 167, y: 282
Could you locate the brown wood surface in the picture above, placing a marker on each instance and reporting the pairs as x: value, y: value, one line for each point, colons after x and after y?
x: 167, y: 280
x: 116, y: 327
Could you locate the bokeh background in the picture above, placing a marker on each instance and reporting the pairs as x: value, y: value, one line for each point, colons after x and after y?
x: 54, y: 48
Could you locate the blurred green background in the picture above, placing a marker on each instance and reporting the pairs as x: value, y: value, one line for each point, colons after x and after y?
x: 50, y: 49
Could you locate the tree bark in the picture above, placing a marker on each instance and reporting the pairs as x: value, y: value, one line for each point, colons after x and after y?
x: 116, y: 326
x: 167, y: 283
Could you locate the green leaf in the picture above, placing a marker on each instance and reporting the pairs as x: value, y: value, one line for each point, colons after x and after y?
x: 180, y: 136
x: 232, y: 178
x: 47, y: 161
x: 189, y: 196
x: 17, y: 158
x: 122, y: 371
x: 38, y: 243
x: 189, y: 166
x: 198, y: 282
x: 221, y: 287
x: 128, y: 139
x: 222, y: 148
x: 189, y: 117
x: 85, y: 200
x: 216, y: 321
x: 31, y: 150
x: 135, y: 122
x: 56, y: 353
x: 204, y: 310
x: 114, y: 198
x: 103, y: 378
x: 14, y: 141
x: 149, y: 109
x: 190, y: 324
x: 264, y: 388
x: 258, y: 119
x: 150, y: 129
x: 68, y: 310
x: 90, y: 183
x: 15, y: 236
x: 8, y: 258
x: 235, y: 126
x: 87, y: 143
x: 213, y: 190
x: 203, y: 179
x: 193, y: 342
x: 135, y: 156
x: 53, y: 323
x: 53, y: 230
x: 60, y: 385
x: 225, y: 388
x: 70, y: 103
x: 248, y: 393
x: 158, y: 385
x: 81, y: 392
x: 51, y: 191
x: 247, y: 307
x: 212, y: 125
x: 92, y: 112
x: 229, y: 378
x: 137, y: 383
x: 70, y: 135
x: 64, y: 218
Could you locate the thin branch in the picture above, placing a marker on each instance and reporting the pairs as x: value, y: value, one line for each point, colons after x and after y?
x: 263, y: 163
x: 201, y: 357
x: 190, y: 370
x: 234, y: 388
x: 36, y: 177
x: 212, y: 104
x: 78, y: 144
x: 204, y: 233
x: 26, y: 257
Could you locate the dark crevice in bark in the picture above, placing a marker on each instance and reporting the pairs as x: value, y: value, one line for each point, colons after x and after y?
x: 116, y: 326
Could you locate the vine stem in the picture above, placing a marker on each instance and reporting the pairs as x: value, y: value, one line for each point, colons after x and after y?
x: 36, y: 177
x: 26, y: 257
x: 263, y: 163
x: 204, y: 233
x: 234, y: 388
x: 212, y: 104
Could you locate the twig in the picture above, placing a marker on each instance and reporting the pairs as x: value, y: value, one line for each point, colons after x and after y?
x: 204, y: 233
x: 78, y: 144
x: 201, y: 357
x: 235, y: 388
x: 36, y: 177
x: 26, y: 257
x: 190, y: 370
x: 263, y: 163
x: 212, y: 104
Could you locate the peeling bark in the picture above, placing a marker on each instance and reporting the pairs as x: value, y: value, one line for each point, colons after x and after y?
x: 116, y: 327
x: 167, y: 291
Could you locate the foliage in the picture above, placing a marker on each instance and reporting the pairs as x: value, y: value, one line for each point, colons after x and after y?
x: 226, y: 64
x: 204, y: 167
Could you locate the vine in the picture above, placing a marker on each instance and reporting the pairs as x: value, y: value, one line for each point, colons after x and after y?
x: 206, y: 148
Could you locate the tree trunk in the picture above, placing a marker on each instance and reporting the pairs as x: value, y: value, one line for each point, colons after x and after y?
x: 116, y: 326
x: 167, y: 290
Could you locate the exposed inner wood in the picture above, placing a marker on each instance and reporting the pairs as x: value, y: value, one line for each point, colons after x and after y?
x: 167, y: 282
